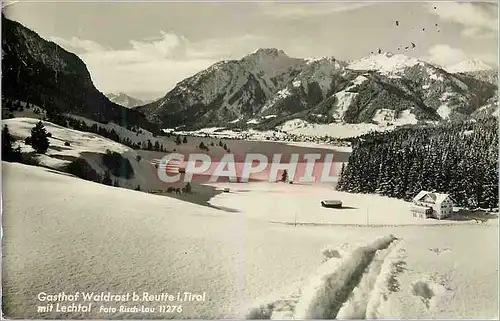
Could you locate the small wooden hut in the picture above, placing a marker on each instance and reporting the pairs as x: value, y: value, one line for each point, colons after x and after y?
x: 331, y: 203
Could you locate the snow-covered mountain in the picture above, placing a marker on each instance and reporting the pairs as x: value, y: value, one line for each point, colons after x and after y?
x: 226, y: 90
x: 125, y: 100
x: 468, y: 66
x: 386, y: 63
x: 267, y: 88
x: 263, y: 89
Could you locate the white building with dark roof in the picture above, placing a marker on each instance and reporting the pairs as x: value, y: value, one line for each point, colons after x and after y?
x: 430, y: 204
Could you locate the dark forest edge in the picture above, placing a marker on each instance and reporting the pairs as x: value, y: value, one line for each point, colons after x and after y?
x: 460, y: 159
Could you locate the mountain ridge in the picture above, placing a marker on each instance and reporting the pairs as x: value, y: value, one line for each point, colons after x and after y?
x: 263, y: 89
x: 43, y: 73
x: 268, y: 86
x: 126, y: 100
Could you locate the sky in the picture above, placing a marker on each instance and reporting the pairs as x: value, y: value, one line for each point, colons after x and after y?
x: 146, y: 48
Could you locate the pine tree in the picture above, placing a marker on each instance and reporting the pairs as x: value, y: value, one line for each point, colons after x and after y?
x: 7, y: 141
x: 386, y: 180
x: 39, y: 140
x: 342, y: 172
x: 489, y: 196
x: 178, y: 140
x: 184, y: 140
x: 9, y: 153
x: 402, y: 172
x: 458, y: 158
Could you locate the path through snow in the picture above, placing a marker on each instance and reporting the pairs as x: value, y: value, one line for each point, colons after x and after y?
x: 342, y: 287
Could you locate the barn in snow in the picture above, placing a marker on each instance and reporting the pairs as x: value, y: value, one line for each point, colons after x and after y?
x: 430, y: 204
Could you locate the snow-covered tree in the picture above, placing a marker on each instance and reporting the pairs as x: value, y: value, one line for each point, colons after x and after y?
x: 39, y: 140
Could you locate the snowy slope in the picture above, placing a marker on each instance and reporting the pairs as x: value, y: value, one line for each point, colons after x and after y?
x: 289, y: 204
x: 269, y: 64
x: 88, y: 146
x: 58, y: 154
x: 320, y: 71
x: 105, y: 237
x: 102, y: 238
x: 468, y: 66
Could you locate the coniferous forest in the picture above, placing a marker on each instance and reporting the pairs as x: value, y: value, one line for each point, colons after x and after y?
x: 460, y: 159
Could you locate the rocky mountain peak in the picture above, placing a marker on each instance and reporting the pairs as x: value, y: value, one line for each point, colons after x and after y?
x: 268, y: 52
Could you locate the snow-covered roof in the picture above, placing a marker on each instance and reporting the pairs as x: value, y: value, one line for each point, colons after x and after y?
x: 437, y: 197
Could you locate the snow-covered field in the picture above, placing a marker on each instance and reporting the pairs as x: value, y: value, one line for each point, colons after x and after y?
x: 73, y: 235
x: 345, y: 149
x: 341, y: 130
x: 301, y: 127
x: 300, y: 203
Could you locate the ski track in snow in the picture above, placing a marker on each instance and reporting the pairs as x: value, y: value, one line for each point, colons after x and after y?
x: 349, y: 285
x: 356, y: 305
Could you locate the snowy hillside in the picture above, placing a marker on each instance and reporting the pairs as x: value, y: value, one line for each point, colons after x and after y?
x: 139, y: 136
x: 59, y: 154
x: 311, y: 86
x: 83, y: 145
x: 102, y: 238
x: 125, y: 100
